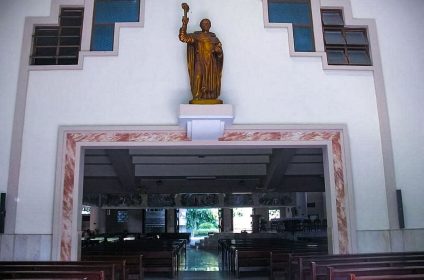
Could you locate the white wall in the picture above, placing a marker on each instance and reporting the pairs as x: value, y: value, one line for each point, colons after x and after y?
x: 145, y: 84
x: 401, y: 37
x: 12, y: 17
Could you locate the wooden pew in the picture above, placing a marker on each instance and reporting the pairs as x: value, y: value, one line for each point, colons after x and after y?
x: 108, y: 269
x: 158, y: 255
x: 278, y: 261
x: 251, y: 261
x: 228, y: 248
x: 119, y: 266
x: 388, y: 277
x: 160, y: 261
x: 86, y: 275
x: 319, y: 271
x: 133, y: 264
x: 344, y: 274
x: 281, y: 261
x: 299, y: 267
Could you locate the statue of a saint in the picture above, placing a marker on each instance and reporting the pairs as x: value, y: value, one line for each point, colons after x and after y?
x: 205, y: 59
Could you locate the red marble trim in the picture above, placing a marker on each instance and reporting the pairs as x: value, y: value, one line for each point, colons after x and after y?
x: 149, y: 136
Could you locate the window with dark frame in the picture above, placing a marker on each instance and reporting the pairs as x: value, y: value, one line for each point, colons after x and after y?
x: 344, y: 45
x: 298, y: 13
x: 58, y: 45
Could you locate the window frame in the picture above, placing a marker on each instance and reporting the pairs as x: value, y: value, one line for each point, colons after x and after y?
x: 58, y: 58
x: 346, y: 47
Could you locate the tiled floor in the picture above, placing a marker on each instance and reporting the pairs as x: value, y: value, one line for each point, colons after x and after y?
x: 203, y: 265
x: 200, y: 260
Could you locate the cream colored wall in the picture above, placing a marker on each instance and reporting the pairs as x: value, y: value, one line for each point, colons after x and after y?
x: 147, y: 81
x: 401, y: 35
x: 12, y: 17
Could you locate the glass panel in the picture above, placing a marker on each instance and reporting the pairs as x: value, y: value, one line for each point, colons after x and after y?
x: 154, y: 221
x: 359, y: 57
x: 102, y: 38
x: 68, y: 51
x: 356, y: 38
x: 332, y: 18
x: 71, y: 21
x: 121, y: 216
x: 46, y: 31
x: 334, y: 37
x: 298, y: 13
x: 116, y: 11
x: 71, y: 12
x: 69, y: 41
x: 49, y: 51
x: 67, y: 61
x: 71, y: 31
x: 336, y: 57
x: 303, y: 40
x: 44, y: 61
x: 46, y: 41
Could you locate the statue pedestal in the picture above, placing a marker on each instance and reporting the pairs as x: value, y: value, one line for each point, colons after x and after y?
x: 205, y: 122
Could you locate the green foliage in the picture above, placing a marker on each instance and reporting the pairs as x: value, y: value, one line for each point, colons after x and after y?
x: 207, y: 226
x: 196, y: 217
x: 204, y: 232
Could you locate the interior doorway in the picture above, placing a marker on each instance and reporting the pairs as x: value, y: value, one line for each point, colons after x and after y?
x: 242, y: 219
x: 200, y: 223
x: 333, y: 175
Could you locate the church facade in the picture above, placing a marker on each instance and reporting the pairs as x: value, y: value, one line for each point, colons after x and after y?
x: 344, y: 76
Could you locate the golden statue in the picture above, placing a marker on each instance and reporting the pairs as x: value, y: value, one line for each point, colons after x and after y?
x: 205, y: 59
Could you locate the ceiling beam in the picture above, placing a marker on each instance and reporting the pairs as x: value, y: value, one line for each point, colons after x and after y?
x: 124, y: 169
x: 302, y: 184
x: 280, y: 161
x: 211, y: 184
x: 101, y: 185
x: 187, y: 170
x: 305, y: 169
x: 306, y: 159
x: 91, y: 159
x: 202, y: 159
x: 198, y: 151
x: 99, y: 170
x: 199, y: 189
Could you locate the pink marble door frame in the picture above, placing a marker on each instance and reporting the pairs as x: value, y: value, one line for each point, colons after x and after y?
x: 73, y: 141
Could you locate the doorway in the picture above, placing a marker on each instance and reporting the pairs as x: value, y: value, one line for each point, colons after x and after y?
x: 199, y: 222
x: 339, y: 222
x: 242, y: 219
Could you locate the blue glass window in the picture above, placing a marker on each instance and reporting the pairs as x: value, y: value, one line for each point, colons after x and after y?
x: 106, y: 14
x: 298, y: 13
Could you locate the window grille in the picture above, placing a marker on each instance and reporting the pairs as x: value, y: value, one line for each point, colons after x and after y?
x: 58, y: 45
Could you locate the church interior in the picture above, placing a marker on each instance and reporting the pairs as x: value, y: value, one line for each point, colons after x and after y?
x: 242, y: 139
